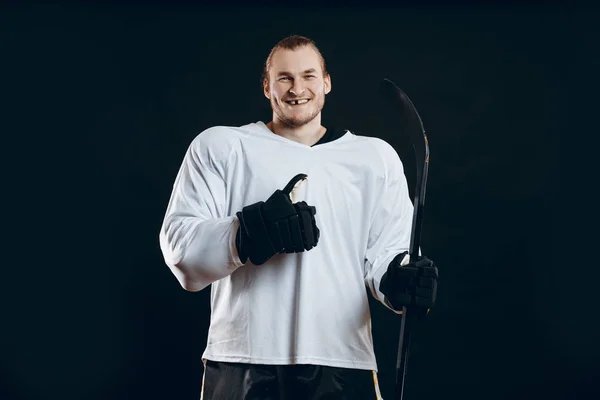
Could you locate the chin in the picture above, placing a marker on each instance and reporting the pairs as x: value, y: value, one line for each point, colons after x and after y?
x: 297, y: 122
x: 295, y: 119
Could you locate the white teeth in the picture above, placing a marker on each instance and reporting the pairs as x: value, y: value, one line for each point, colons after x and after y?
x: 296, y: 102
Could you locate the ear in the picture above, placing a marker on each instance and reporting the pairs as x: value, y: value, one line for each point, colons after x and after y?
x: 266, y: 90
x: 327, y: 82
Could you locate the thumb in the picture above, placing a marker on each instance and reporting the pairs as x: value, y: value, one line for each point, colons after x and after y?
x: 296, y: 180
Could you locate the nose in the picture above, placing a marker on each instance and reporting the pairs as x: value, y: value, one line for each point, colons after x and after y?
x: 297, y: 88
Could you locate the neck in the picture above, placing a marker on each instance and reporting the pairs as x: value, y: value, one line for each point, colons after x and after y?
x: 307, y: 134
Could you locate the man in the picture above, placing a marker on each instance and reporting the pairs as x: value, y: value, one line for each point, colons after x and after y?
x: 289, y: 221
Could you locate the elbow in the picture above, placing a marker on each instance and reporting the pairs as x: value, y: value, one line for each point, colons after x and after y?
x: 191, y: 288
x: 191, y: 285
x: 194, y: 263
x: 187, y: 276
x: 189, y: 279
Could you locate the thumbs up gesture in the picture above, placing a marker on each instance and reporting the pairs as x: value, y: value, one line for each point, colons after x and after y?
x: 277, y: 225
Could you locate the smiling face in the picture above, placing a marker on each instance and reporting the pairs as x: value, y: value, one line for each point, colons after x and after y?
x: 296, y: 86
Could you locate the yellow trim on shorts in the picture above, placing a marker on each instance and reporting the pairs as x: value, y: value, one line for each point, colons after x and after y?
x: 203, y: 376
x: 376, y: 383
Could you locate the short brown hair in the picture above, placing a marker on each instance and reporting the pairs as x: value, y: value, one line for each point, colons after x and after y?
x: 292, y: 43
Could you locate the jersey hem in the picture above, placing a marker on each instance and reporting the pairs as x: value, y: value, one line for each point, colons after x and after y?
x: 369, y: 366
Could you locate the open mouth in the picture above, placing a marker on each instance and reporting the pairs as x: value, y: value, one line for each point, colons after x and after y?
x: 297, y: 102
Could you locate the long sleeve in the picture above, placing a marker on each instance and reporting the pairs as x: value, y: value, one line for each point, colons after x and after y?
x: 197, y: 238
x: 389, y: 234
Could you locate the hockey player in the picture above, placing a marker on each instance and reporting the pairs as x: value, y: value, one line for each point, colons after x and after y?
x: 288, y: 221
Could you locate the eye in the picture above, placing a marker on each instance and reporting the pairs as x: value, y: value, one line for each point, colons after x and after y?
x: 310, y: 76
x: 284, y: 78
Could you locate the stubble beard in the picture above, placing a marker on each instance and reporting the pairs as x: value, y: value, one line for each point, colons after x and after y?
x: 295, y: 122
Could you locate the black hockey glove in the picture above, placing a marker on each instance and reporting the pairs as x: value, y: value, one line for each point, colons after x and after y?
x: 276, y: 226
x: 412, y: 285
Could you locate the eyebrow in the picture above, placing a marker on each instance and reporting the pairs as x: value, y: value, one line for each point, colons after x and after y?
x: 308, y: 71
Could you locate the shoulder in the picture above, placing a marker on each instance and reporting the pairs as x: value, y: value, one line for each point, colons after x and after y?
x: 383, y: 153
x: 212, y: 148
x: 216, y: 143
x: 215, y: 138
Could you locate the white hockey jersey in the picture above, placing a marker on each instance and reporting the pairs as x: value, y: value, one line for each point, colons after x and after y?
x: 303, y: 308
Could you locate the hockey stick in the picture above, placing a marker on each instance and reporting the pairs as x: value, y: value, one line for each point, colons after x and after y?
x: 414, y: 127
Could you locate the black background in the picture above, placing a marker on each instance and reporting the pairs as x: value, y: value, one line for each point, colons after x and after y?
x: 101, y: 102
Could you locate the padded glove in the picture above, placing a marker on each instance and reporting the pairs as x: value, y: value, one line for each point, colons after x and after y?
x: 411, y: 285
x: 276, y: 226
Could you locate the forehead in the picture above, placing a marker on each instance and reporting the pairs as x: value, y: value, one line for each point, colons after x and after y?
x: 295, y: 61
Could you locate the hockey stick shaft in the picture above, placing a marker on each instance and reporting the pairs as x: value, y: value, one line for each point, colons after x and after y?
x: 414, y: 127
x: 409, y: 316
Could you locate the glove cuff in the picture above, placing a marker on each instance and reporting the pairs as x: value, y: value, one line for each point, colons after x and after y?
x: 240, y: 241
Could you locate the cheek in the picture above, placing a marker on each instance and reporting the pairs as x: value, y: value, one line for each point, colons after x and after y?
x: 318, y: 89
x: 277, y: 92
x: 276, y: 96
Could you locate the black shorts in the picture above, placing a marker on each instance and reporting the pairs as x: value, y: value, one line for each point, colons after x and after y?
x: 237, y: 381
